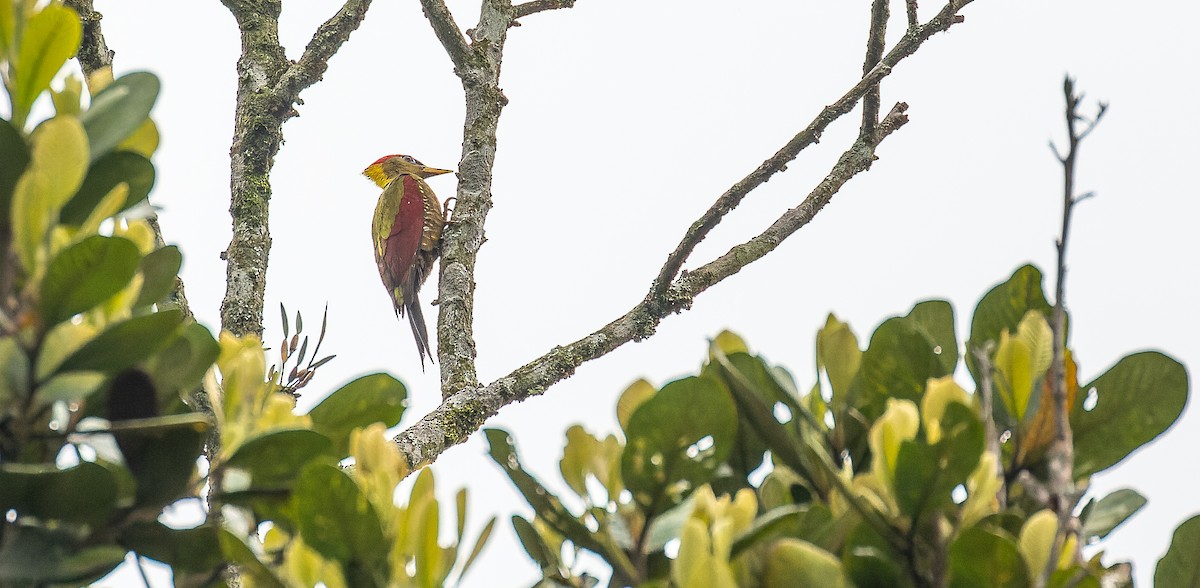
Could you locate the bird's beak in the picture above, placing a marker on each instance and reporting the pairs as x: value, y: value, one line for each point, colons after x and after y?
x: 429, y: 172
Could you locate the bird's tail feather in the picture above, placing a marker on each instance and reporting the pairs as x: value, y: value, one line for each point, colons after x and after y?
x: 416, y: 320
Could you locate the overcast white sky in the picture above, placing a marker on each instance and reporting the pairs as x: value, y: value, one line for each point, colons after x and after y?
x: 628, y: 117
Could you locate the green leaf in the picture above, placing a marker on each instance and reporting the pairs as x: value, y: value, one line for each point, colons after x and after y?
x: 86, y: 274
x: 871, y: 561
x: 69, y: 387
x: 194, y: 550
x: 936, y: 318
x: 161, y: 453
x: 1136, y: 400
x: 184, y: 361
x: 253, y: 571
x: 50, y: 37
x: 898, y: 362
x: 118, y: 110
x: 810, y: 522
x: 1109, y: 512
x: 8, y: 27
x: 103, y: 175
x: 84, y: 493
x: 1179, y: 567
x: 159, y: 269
x: 532, y: 542
x: 125, y: 343
x: 980, y: 558
x: 15, y: 155
x: 36, y: 556
x: 800, y: 564
x: 927, y: 474
x: 278, y: 456
x: 549, y: 508
x: 839, y: 355
x: 335, y: 518
x: 57, y: 165
x: 14, y: 372
x: 1002, y: 309
x: 480, y: 542
x: 676, y: 440
x: 374, y: 398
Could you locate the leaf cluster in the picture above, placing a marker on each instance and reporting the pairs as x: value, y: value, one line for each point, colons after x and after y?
x: 884, y: 472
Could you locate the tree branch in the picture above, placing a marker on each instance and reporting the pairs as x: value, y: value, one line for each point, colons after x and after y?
x: 94, y: 53
x: 328, y: 38
x: 696, y: 233
x: 876, y: 36
x: 449, y: 34
x: 910, y: 7
x: 466, y: 411
x: 1061, y: 453
x: 268, y: 88
x: 535, y: 6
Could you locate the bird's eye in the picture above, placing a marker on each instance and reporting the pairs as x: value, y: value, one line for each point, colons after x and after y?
x: 411, y: 160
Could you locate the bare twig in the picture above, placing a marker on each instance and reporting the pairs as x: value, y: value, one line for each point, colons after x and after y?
x: 535, y: 6
x: 466, y: 410
x: 696, y: 233
x: 911, y: 8
x: 876, y: 36
x: 268, y: 89
x: 1060, y: 454
x: 448, y: 33
x: 990, y: 434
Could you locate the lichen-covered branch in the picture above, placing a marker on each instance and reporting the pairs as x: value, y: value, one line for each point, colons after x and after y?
x: 269, y: 86
x: 94, y: 53
x: 535, y: 6
x: 946, y: 18
x: 876, y: 37
x: 466, y: 411
x: 448, y: 34
x: 467, y: 404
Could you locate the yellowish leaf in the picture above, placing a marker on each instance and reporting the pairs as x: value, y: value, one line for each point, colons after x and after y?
x: 939, y: 393
x: 729, y: 343
x: 633, y: 397
x: 143, y: 141
x: 1036, y: 539
x: 898, y: 424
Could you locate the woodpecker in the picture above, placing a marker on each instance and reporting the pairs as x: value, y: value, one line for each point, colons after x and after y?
x: 407, y: 231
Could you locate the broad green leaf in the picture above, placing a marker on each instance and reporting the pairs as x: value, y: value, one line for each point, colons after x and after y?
x: 143, y: 141
x: 1179, y: 567
x: 898, y: 361
x: 182, y: 364
x: 8, y: 27
x: 335, y: 518
x: 936, y: 317
x: 161, y: 453
x: 870, y: 560
x: 1109, y: 512
x: 838, y: 354
x: 925, y: 475
x: 49, y: 38
x: 800, y: 564
x: 125, y: 343
x: 104, y: 174
x: 667, y: 526
x: 69, y: 387
x: 1002, y: 309
x: 37, y: 556
x: 56, y: 169
x: 195, y: 550
x: 159, y: 269
x: 578, y: 452
x: 548, y: 507
x: 118, y: 110
x: 1136, y: 400
x: 983, y: 558
x: 1037, y: 538
x: 252, y: 571
x: 729, y: 343
x: 532, y: 542
x: 810, y: 522
x: 86, y: 274
x: 633, y: 397
x: 275, y: 457
x: 676, y: 440
x: 84, y: 493
x: 373, y: 398
x: 14, y: 372
x: 15, y: 155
